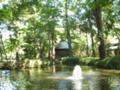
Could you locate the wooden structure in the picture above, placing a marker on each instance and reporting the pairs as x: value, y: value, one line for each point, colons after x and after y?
x: 62, y: 50
x: 61, y: 53
x: 115, y: 48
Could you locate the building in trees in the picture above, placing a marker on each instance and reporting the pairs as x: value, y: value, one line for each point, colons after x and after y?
x: 114, y: 46
x: 62, y: 50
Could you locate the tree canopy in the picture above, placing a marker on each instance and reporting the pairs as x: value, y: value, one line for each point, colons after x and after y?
x: 39, y: 25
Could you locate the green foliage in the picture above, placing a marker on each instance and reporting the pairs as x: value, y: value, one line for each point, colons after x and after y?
x: 102, y: 63
x: 11, y: 44
x: 34, y: 22
x: 5, y: 14
x: 89, y: 60
x: 22, y: 64
x: 70, y: 60
x: 110, y: 63
x: 107, y: 63
x: 32, y: 64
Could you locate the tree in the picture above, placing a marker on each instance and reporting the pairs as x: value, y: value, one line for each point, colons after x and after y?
x: 98, y: 17
x: 67, y: 29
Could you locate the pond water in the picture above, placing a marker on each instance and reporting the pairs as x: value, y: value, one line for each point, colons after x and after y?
x: 58, y: 78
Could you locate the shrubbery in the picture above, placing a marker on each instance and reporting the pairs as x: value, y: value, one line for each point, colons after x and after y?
x: 89, y: 61
x: 108, y: 63
x: 70, y: 60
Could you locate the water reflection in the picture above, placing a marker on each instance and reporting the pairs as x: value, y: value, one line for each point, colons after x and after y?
x: 5, y: 82
x: 105, y: 83
x: 64, y: 85
x: 77, y: 85
x: 117, y: 83
x: 69, y: 85
x: 36, y: 79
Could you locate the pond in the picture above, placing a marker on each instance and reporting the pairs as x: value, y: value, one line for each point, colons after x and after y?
x: 58, y: 78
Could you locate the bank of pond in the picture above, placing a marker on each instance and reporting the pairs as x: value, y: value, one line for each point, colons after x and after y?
x: 107, y: 63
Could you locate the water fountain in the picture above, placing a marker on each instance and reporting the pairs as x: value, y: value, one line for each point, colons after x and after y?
x: 77, y: 78
x: 77, y: 73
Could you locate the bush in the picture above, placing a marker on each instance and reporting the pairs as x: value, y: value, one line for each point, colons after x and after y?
x: 109, y: 63
x: 114, y: 62
x: 70, y: 60
x: 89, y: 60
x: 102, y: 63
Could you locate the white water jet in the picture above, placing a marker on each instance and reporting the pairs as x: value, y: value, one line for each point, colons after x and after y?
x: 77, y: 73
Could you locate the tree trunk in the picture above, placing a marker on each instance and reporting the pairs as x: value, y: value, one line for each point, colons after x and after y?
x: 92, y: 40
x: 17, y: 56
x: 102, y: 51
x: 87, y: 46
x: 41, y: 49
x: 2, y: 49
x: 51, y: 54
x: 93, y: 46
x: 53, y: 45
x: 49, y: 47
x: 67, y: 29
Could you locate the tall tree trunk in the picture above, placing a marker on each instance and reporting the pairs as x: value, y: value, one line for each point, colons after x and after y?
x: 92, y: 40
x: 53, y: 45
x: 49, y: 47
x: 93, y: 46
x: 102, y: 51
x: 87, y: 46
x: 17, y: 56
x: 2, y: 49
x: 41, y: 49
x: 67, y: 28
